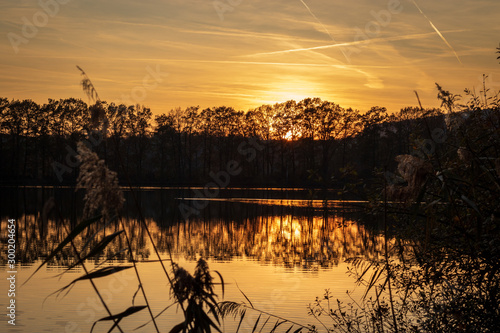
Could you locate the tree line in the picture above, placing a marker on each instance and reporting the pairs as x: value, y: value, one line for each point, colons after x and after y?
x: 305, y: 143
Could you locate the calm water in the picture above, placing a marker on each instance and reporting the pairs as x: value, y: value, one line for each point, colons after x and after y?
x: 279, y: 247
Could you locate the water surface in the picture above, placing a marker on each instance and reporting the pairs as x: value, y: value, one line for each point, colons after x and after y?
x: 282, y: 248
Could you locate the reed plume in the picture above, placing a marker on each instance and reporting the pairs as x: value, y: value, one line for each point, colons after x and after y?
x: 100, y: 184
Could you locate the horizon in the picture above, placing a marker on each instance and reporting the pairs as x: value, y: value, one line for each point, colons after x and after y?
x: 247, y: 54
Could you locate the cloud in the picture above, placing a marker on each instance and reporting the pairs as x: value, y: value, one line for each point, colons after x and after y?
x: 262, y: 48
x: 353, y: 43
x: 438, y: 32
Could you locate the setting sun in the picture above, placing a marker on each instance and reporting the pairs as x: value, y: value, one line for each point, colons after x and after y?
x: 291, y: 88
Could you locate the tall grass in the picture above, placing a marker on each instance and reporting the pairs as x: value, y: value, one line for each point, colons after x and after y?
x: 194, y: 294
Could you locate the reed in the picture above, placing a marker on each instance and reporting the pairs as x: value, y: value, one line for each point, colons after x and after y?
x: 440, y: 273
x: 193, y: 294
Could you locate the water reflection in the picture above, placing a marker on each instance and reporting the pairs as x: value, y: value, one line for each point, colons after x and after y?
x: 278, y: 239
x: 308, y: 234
x: 324, y: 204
x: 290, y: 244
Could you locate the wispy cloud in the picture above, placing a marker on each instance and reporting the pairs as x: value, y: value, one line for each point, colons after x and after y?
x: 324, y: 28
x: 264, y: 50
x: 227, y: 32
x: 437, y: 31
x: 354, y: 43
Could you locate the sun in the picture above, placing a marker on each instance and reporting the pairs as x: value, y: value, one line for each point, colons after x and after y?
x: 288, y: 136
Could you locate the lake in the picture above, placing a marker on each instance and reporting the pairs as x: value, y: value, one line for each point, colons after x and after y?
x: 281, y: 247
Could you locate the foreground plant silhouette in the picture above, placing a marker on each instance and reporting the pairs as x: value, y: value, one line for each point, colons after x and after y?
x: 441, y: 270
x: 194, y: 294
x: 191, y: 293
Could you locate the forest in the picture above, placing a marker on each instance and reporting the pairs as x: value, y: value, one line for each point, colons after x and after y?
x: 310, y: 143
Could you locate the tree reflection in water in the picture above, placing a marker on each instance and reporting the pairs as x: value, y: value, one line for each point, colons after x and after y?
x: 290, y: 233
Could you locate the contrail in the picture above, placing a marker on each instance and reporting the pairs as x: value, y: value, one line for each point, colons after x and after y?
x: 437, y: 31
x: 316, y: 18
x: 385, y: 39
x: 324, y: 28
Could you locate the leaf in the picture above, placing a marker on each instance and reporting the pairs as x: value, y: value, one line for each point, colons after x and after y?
x: 375, y: 276
x: 364, y: 272
x: 214, y: 311
x: 75, y: 232
x: 208, y: 320
x: 222, y: 282
x: 245, y: 296
x: 96, y: 250
x: 159, y: 314
x: 95, y: 275
x: 103, y: 227
x: 278, y: 323
x: 241, y: 320
x: 256, y: 323
x: 130, y: 311
x: 103, y: 272
x: 264, y: 324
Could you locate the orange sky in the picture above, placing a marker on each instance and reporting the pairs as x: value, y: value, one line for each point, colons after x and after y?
x: 244, y: 53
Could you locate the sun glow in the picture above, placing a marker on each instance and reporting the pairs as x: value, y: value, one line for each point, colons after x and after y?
x: 291, y: 88
x: 290, y: 94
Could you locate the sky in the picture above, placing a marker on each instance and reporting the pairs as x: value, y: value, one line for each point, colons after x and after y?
x: 242, y: 53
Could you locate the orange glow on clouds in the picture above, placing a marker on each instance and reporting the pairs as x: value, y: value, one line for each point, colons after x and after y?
x: 259, y: 52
